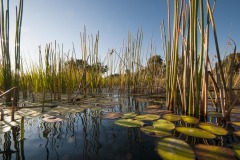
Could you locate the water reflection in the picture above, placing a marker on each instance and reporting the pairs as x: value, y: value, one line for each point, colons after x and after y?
x: 86, y: 136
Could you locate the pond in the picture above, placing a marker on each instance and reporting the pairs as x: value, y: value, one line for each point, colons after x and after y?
x: 87, y: 135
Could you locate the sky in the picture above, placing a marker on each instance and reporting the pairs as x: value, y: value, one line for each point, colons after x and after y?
x: 45, y: 21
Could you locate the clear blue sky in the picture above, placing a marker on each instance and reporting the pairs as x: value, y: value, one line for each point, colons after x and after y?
x: 45, y: 21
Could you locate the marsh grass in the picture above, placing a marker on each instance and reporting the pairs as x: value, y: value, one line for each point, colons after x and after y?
x: 188, y: 46
x: 9, y: 79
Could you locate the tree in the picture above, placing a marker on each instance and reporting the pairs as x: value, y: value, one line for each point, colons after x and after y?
x: 155, y: 65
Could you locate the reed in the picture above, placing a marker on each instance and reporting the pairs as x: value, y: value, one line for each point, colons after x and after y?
x: 8, y: 76
x: 4, y: 35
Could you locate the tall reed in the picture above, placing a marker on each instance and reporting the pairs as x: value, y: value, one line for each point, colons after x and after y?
x: 4, y: 35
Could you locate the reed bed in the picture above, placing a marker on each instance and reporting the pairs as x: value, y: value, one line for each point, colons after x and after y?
x: 186, y: 71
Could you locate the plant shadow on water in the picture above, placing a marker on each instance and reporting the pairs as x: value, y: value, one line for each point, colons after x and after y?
x: 81, y: 136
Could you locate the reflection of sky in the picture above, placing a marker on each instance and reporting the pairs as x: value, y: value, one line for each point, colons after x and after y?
x: 46, y: 21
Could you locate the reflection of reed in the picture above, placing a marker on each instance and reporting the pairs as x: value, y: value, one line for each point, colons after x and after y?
x: 134, y: 138
x: 95, y: 133
x: 16, y: 137
x: 7, y: 154
x: 84, y: 134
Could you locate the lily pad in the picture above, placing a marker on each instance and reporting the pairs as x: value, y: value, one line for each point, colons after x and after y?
x: 147, y: 117
x: 53, y: 119
x: 236, y: 123
x: 157, y: 111
x: 129, y: 115
x: 150, y: 130
x: 4, y: 129
x: 153, y: 107
x: 28, y: 113
x: 236, y: 149
x: 195, y: 132
x: 190, y: 120
x: 96, y: 108
x: 214, y: 114
x: 171, y: 117
x: 141, y: 100
x: 163, y: 125
x: 207, y: 152
x: 172, y: 148
x: 213, y: 129
x: 129, y: 123
x: 237, y: 133
x: 111, y: 115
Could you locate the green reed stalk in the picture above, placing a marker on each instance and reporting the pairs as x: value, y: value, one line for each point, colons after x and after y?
x: 6, y: 61
x: 84, y: 59
x: 19, y: 13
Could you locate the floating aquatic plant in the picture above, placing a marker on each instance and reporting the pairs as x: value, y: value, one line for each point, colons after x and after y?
x: 164, y: 125
x: 236, y: 149
x: 152, y: 131
x: 195, y: 132
x: 171, y: 148
x: 129, y: 115
x: 190, y: 120
x: 171, y: 117
x: 147, y: 117
x: 213, y: 129
x: 213, y: 152
x: 111, y: 115
x: 129, y: 123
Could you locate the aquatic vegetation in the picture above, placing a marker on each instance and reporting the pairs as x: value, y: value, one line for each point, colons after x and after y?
x: 236, y: 149
x: 171, y: 117
x: 147, y: 117
x: 164, y: 125
x: 111, y: 115
x: 218, y: 130
x: 190, y: 120
x: 129, y: 123
x: 172, y: 148
x: 129, y: 115
x: 195, y: 132
x: 53, y: 119
x: 213, y: 152
x: 156, y: 132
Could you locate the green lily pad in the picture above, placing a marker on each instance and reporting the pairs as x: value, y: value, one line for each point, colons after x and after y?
x: 129, y: 115
x: 213, y: 129
x: 236, y: 149
x: 190, y: 120
x: 236, y: 110
x: 53, y: 119
x: 28, y: 113
x: 96, y: 108
x: 172, y: 148
x: 147, y: 117
x: 237, y: 133
x: 4, y: 129
x: 171, y: 117
x: 153, y: 107
x: 141, y: 100
x: 214, y: 114
x: 195, y: 132
x: 111, y: 115
x: 207, y: 152
x: 129, y: 123
x: 163, y: 125
x: 150, y: 130
x: 157, y: 111
x: 236, y: 123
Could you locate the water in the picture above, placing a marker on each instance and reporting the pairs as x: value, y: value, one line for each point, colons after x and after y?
x: 80, y: 137
x: 86, y: 136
